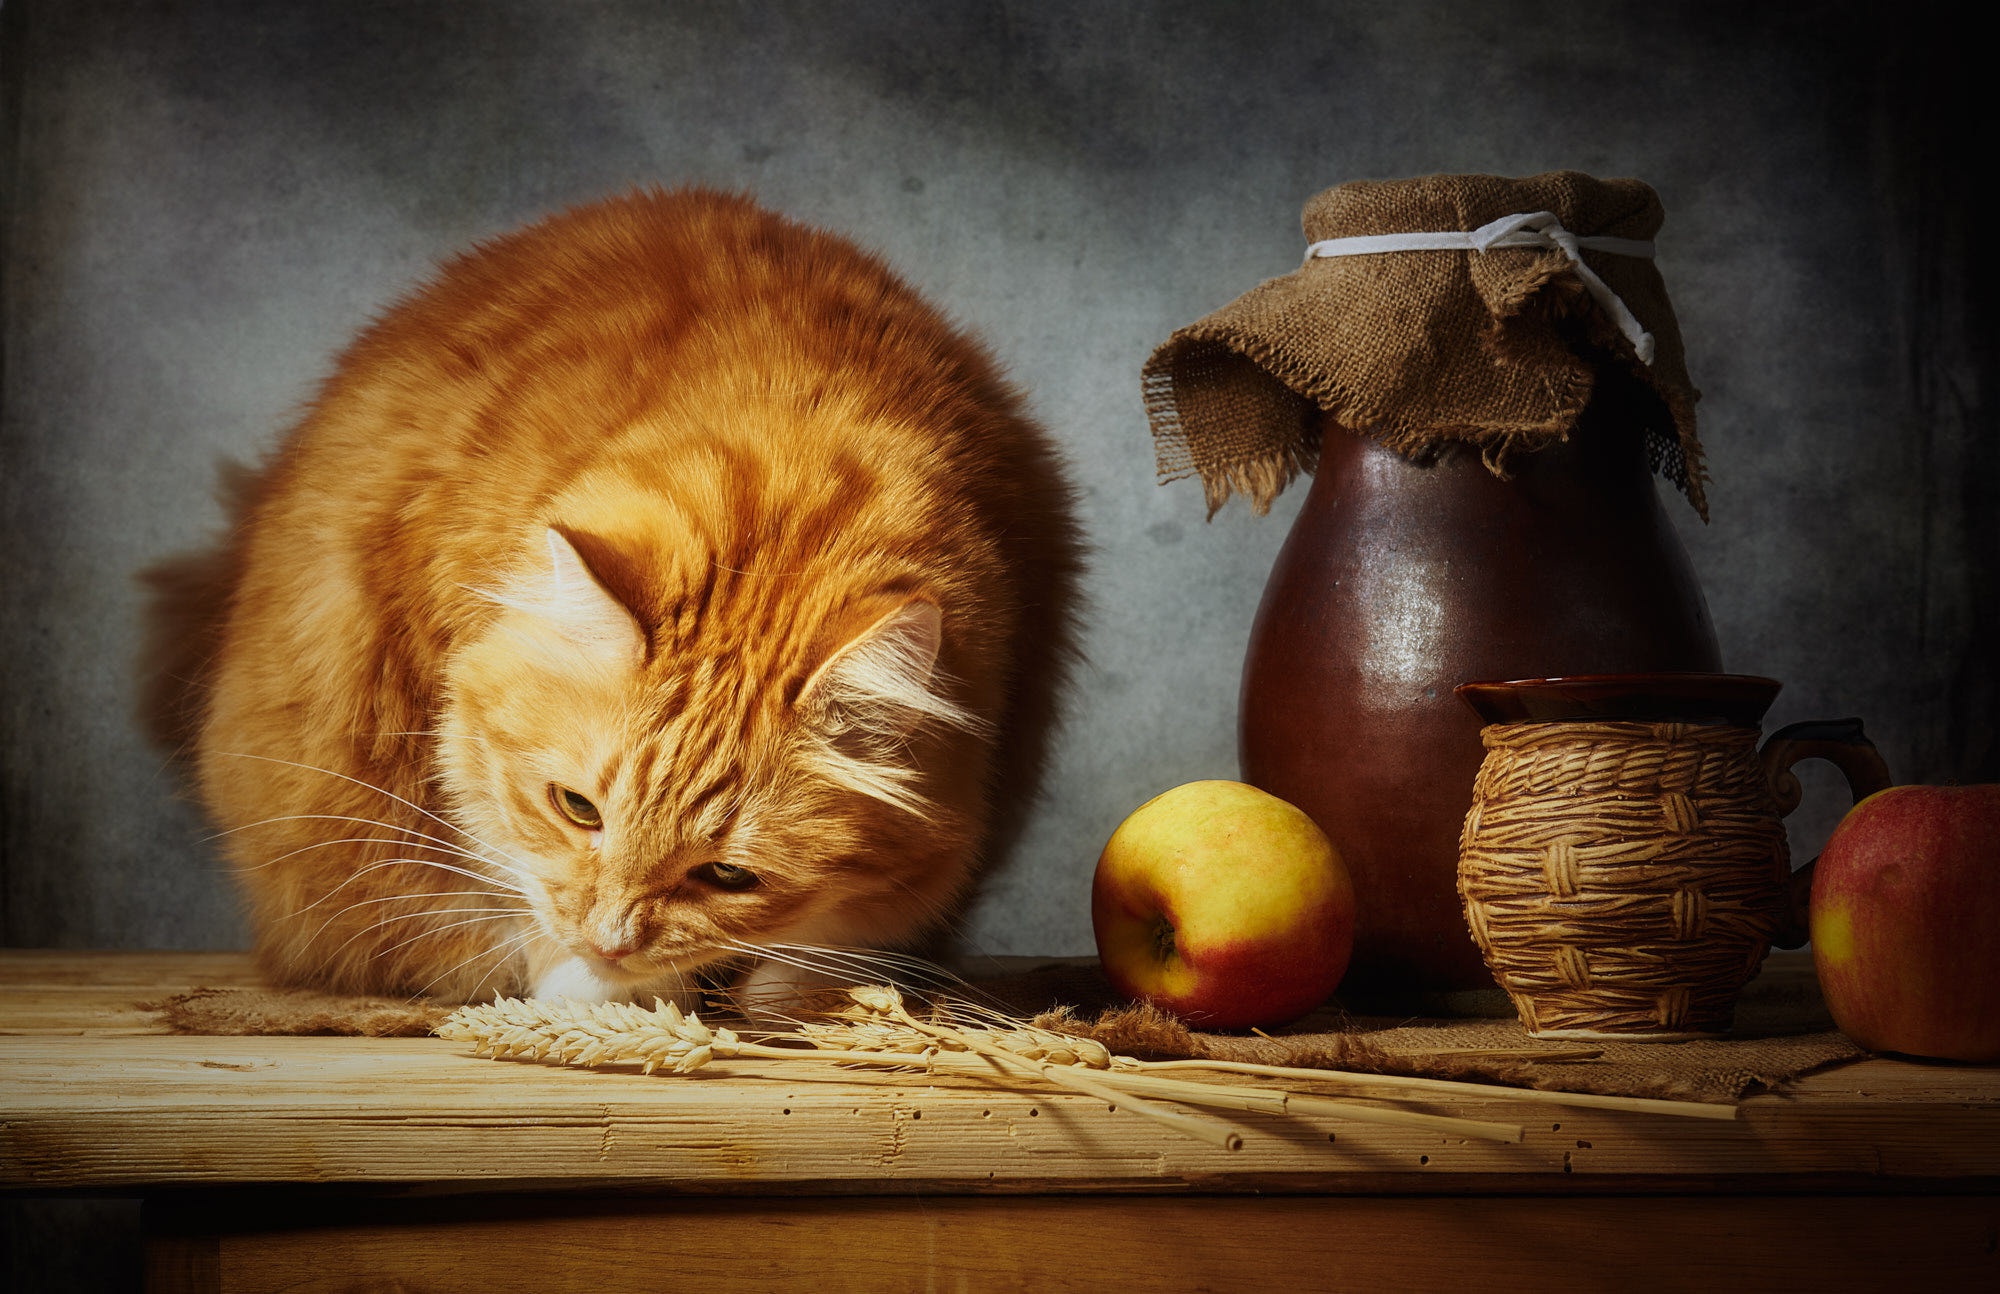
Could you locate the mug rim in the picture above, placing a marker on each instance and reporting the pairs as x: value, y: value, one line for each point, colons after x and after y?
x: 1663, y: 696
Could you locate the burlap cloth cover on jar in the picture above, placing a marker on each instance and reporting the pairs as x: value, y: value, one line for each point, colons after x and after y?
x: 1422, y: 349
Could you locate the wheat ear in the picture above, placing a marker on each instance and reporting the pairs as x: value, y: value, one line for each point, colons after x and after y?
x: 1125, y: 1076
x: 877, y: 1029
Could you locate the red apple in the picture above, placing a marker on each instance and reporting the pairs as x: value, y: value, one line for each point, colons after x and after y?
x: 1223, y: 904
x: 1906, y: 922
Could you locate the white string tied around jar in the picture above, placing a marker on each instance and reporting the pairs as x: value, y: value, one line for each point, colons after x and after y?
x: 1539, y: 229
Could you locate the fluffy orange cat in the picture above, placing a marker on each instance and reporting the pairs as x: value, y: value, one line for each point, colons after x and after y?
x: 664, y: 589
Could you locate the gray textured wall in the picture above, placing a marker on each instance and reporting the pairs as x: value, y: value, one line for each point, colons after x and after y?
x: 206, y: 199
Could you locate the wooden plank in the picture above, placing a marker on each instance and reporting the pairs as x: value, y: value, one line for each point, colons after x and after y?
x: 152, y: 970
x: 112, y: 1107
x: 65, y: 992
x: 1121, y: 1242
x: 105, y: 1112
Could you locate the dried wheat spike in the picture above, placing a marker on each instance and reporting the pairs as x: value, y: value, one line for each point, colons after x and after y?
x: 591, y: 1033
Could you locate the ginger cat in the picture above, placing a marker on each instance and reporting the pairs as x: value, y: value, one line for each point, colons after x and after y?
x: 664, y: 589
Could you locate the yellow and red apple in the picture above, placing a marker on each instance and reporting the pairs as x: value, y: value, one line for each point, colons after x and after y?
x: 1224, y: 905
x: 1906, y: 922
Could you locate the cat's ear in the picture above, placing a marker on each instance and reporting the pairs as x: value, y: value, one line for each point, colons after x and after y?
x: 585, y: 612
x: 881, y: 682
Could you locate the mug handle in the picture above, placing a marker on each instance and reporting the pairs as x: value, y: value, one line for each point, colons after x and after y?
x: 1841, y: 743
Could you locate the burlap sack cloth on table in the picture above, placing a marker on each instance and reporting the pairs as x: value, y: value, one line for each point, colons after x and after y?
x: 1782, y: 1028
x: 1782, y: 1032
x: 1498, y: 350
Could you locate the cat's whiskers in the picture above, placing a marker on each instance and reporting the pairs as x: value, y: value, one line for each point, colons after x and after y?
x: 495, y: 968
x: 421, y: 862
x: 681, y: 986
x: 785, y: 959
x: 872, y: 959
x: 834, y: 963
x: 359, y: 840
x: 483, y: 915
x: 503, y: 914
x: 500, y: 951
x: 398, y: 898
x: 882, y: 964
x: 333, y: 955
x: 508, y: 865
x: 422, y: 841
x: 400, y: 916
x: 505, y: 863
x: 410, y: 832
x: 367, y: 786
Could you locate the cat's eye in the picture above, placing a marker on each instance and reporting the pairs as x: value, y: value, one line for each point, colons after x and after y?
x: 574, y: 807
x: 726, y: 876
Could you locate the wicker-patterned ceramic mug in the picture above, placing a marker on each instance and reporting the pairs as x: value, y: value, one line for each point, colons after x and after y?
x: 1623, y: 867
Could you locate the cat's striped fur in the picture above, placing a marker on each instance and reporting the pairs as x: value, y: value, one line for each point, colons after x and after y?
x: 667, y: 503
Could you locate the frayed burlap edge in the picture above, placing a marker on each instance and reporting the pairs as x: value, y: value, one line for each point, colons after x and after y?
x: 245, y: 1012
x: 1722, y: 1070
x: 1261, y: 478
x: 1144, y: 1031
x: 1278, y: 402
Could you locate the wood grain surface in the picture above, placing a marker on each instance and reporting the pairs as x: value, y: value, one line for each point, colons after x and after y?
x: 89, y: 1100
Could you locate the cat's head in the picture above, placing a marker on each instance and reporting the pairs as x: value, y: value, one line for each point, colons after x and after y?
x: 751, y: 773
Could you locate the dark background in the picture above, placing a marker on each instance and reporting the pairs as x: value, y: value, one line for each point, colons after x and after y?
x: 204, y: 200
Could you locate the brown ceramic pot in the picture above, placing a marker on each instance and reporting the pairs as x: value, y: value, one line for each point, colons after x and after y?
x: 1400, y: 581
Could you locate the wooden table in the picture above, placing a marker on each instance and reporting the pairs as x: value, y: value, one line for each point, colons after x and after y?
x: 328, y: 1163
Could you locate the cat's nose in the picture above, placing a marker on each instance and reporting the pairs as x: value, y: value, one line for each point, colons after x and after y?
x: 615, y: 932
x: 615, y: 951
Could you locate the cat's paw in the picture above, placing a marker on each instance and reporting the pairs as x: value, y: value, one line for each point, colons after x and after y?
x: 572, y: 978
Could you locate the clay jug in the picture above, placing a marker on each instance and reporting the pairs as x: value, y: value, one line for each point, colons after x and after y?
x: 1402, y: 579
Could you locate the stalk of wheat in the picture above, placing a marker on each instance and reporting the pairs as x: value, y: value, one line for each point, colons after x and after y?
x: 876, y: 1028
